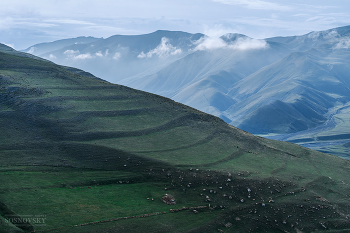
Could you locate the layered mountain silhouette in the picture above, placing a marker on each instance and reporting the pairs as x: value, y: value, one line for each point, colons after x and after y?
x: 120, y: 56
x: 277, y: 85
x: 42, y: 48
x: 292, y: 94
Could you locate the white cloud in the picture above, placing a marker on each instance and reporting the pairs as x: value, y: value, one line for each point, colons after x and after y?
x: 75, y: 54
x: 210, y: 43
x: 116, y: 56
x: 99, y: 54
x: 51, y: 56
x: 344, y: 43
x: 142, y: 55
x: 31, y: 50
x: 163, y: 50
x: 256, y: 4
x: 217, y: 30
x: 331, y: 35
x: 244, y: 43
x: 248, y: 43
x: 70, y: 52
x: 314, y: 35
x: 83, y: 56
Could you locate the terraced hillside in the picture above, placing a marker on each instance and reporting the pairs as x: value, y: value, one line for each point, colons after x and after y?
x: 79, y: 154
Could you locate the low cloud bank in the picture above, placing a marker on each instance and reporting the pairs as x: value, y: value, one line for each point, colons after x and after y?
x: 70, y: 53
x: 210, y: 43
x: 31, y: 50
x: 163, y: 50
x: 344, y: 43
x: 75, y: 54
x: 331, y: 35
x: 84, y: 56
x: 248, y: 43
x: 99, y: 54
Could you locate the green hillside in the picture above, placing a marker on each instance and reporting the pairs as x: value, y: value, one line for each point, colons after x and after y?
x: 79, y: 154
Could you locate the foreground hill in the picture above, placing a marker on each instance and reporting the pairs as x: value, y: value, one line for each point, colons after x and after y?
x: 83, y: 155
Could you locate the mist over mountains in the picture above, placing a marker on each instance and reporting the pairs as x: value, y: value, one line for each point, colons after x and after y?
x: 280, y: 85
x: 119, y: 56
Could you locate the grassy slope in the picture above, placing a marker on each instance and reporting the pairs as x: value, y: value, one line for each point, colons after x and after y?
x: 78, y: 150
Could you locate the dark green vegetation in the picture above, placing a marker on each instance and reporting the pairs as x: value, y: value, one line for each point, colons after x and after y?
x: 84, y: 155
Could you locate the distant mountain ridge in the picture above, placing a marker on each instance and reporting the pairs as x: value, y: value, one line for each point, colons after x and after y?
x: 181, y: 79
x: 119, y: 56
x: 42, y: 48
x: 277, y: 85
x: 313, y: 39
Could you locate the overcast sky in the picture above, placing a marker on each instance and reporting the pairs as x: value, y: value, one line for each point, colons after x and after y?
x: 26, y: 22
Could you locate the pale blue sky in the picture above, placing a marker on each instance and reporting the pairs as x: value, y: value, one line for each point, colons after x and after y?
x: 27, y: 22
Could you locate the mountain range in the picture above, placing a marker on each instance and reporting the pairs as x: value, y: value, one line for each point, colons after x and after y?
x: 283, y: 85
x: 80, y: 154
x: 119, y: 56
